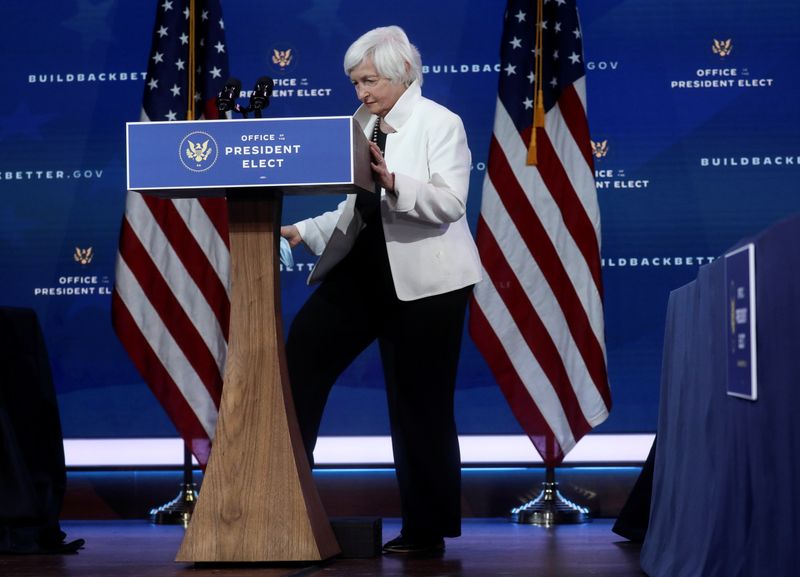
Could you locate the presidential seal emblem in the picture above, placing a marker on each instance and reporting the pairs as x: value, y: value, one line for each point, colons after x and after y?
x: 198, y: 151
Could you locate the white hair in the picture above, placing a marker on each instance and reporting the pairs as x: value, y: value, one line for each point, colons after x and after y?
x: 390, y: 51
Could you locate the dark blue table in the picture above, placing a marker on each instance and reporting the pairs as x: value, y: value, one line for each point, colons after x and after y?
x: 727, y: 470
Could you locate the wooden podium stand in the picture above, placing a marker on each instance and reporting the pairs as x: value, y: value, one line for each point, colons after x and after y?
x: 258, y: 501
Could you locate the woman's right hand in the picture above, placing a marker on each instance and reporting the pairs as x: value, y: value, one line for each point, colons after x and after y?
x: 290, y: 233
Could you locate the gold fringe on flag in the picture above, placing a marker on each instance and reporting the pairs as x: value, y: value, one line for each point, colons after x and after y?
x: 538, y: 98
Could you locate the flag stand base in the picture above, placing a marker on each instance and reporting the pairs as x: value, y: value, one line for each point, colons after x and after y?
x: 550, y: 507
x: 179, y: 510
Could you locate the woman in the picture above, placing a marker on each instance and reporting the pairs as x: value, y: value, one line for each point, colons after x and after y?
x: 397, y: 265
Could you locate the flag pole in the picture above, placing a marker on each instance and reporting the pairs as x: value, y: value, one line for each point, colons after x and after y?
x: 179, y: 510
x: 550, y: 507
x: 192, y: 67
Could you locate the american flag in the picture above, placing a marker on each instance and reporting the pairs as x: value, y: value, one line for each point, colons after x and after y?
x: 537, y: 317
x: 170, y: 305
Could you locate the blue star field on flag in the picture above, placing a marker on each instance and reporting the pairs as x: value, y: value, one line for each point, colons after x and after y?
x: 165, y: 93
x: 562, y: 62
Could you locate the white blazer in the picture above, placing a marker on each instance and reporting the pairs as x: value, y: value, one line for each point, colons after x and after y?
x: 430, y: 247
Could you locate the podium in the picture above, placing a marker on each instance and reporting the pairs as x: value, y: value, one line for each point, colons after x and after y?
x: 258, y: 501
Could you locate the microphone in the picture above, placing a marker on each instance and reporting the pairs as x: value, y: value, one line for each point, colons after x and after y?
x: 227, y: 98
x: 261, y: 93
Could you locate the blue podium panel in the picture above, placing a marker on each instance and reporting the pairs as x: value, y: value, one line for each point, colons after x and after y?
x: 206, y: 157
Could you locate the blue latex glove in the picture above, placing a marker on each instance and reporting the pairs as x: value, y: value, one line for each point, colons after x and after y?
x: 287, y: 260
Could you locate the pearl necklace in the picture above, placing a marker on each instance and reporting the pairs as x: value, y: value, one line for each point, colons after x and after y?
x: 375, y: 129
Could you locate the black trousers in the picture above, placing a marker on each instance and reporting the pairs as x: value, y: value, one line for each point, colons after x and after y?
x: 419, y: 343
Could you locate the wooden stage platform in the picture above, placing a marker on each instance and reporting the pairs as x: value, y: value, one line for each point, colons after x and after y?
x: 488, y: 548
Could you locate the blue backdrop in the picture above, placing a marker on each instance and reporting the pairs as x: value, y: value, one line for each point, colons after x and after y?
x: 692, y: 106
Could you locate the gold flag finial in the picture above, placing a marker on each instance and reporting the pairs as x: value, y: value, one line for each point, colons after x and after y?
x: 538, y: 98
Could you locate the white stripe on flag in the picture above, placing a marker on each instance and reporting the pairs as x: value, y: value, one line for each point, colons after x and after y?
x: 550, y: 216
x: 578, y: 171
x: 186, y: 292
x: 165, y: 348
x: 207, y: 237
x: 542, y: 300
x: 525, y: 364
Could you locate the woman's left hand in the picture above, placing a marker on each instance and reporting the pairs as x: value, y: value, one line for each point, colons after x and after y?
x: 382, y: 175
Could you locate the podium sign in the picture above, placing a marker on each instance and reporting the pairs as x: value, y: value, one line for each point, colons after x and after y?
x: 740, y: 281
x: 208, y: 157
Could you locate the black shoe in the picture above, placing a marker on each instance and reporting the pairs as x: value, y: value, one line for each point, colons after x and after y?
x: 406, y: 545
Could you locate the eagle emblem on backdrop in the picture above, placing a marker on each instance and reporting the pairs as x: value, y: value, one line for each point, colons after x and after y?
x: 722, y: 48
x: 83, y: 255
x: 599, y: 148
x: 282, y: 58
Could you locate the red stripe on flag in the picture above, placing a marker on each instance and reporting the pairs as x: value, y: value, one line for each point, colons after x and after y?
x: 541, y: 247
x: 531, y: 327
x: 519, y: 399
x: 192, y: 256
x: 574, y: 117
x: 217, y: 211
x: 172, y: 315
x: 158, y: 379
x: 584, y: 234
x: 557, y: 183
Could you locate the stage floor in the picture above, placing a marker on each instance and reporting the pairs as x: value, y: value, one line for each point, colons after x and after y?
x: 487, y: 548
